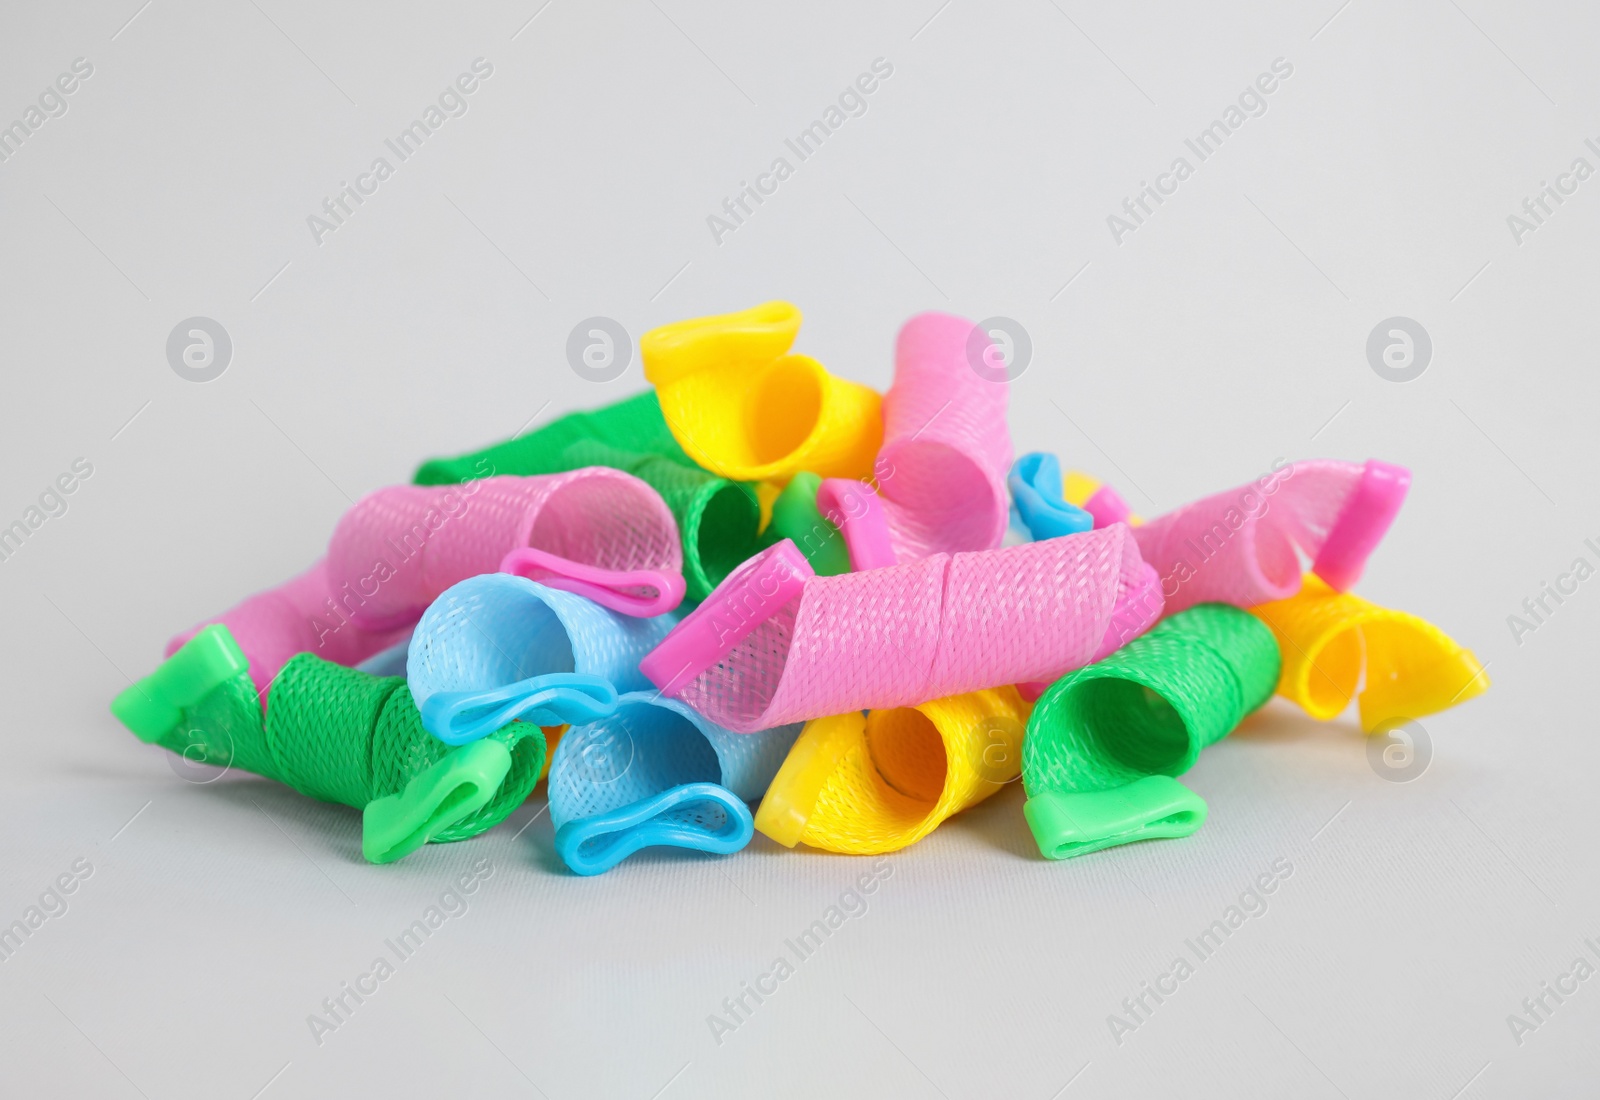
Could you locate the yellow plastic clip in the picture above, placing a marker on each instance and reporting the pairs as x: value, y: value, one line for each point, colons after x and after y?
x: 746, y: 410
x: 1412, y: 667
x: 863, y: 784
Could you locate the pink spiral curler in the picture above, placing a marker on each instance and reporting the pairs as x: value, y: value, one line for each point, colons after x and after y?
x: 302, y: 615
x: 596, y: 531
x: 941, y: 471
x: 776, y: 644
x: 1244, y: 546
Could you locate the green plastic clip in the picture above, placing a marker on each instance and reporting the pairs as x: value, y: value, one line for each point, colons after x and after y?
x: 454, y: 787
x: 795, y: 516
x: 154, y: 706
x: 1156, y: 806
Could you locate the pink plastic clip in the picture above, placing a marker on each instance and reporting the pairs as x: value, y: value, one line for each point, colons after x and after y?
x: 750, y: 596
x: 1106, y: 505
x: 641, y: 593
x: 1362, y: 524
x: 860, y: 517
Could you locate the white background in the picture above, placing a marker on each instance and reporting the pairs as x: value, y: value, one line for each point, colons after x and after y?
x: 1227, y: 331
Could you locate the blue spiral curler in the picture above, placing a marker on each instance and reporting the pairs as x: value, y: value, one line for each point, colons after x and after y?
x: 1036, y: 498
x: 653, y: 773
x: 497, y: 647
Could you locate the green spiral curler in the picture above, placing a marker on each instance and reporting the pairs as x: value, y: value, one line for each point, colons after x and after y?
x: 336, y: 734
x: 1105, y: 741
x: 717, y: 519
x: 795, y: 516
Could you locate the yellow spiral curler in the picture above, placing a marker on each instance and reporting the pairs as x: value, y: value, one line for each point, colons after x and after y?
x: 746, y: 410
x: 1412, y: 667
x: 766, y: 496
x: 863, y: 784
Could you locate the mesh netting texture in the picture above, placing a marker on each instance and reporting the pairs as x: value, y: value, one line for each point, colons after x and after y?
x: 1329, y: 639
x: 898, y: 636
x: 866, y: 784
x: 634, y: 425
x: 717, y: 519
x: 651, y: 747
x: 400, y: 547
x: 853, y: 609
x: 496, y: 631
x: 1244, y: 546
x: 308, y: 614
x: 946, y: 447
x: 1150, y: 707
x: 340, y: 735
x: 224, y: 729
x: 743, y: 408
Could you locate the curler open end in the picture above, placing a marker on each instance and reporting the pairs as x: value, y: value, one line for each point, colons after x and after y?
x: 792, y: 796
